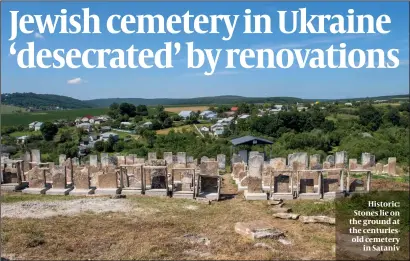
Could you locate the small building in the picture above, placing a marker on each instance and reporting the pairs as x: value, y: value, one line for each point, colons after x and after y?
x: 36, y: 126
x: 85, y: 126
x: 348, y: 104
x: 204, y: 129
x: 125, y: 124
x: 244, y: 116
x: 105, y: 129
x: 234, y: 109
x: 208, y: 115
x: 22, y: 139
x: 107, y: 135
x: 147, y: 124
x: 185, y: 114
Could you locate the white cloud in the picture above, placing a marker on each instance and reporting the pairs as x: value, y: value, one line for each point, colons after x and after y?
x: 38, y: 35
x: 76, y: 81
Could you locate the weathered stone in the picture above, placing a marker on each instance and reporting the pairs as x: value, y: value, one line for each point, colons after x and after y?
x: 281, y: 183
x: 331, y: 160
x: 129, y: 159
x: 254, y: 184
x: 75, y: 162
x: 326, y: 165
x: 367, y: 160
x: 317, y: 219
x: 181, y: 157
x: 81, y: 178
x: 221, y: 158
x: 36, y: 178
x: 314, y: 161
x: 257, y: 229
x: 156, y: 178
x: 189, y: 159
x: 35, y: 157
x: 300, y: 159
x: 275, y: 202
x: 331, y: 182
x: 93, y: 161
x: 241, y: 175
x: 168, y: 157
x: 108, y: 179
x: 341, y: 159
x: 120, y: 160
x: 379, y: 168
x: 236, y: 158
x: 391, y: 165
x: 237, y: 168
x: 352, y: 164
x: 204, y: 158
x: 286, y: 215
x: 278, y: 163
x: 104, y: 159
x: 58, y: 177
x: 209, y: 168
x: 255, y: 166
x: 209, y: 184
x: 61, y: 159
x: 94, y: 173
x: 280, y: 210
x: 152, y: 156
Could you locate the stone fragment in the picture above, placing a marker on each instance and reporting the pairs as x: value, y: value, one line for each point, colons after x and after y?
x: 257, y: 229
x: 317, y: 219
x: 286, y: 216
x: 281, y: 210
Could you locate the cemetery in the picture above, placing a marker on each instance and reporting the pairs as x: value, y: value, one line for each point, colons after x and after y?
x: 300, y: 176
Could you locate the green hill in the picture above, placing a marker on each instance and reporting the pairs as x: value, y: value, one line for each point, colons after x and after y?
x: 42, y: 101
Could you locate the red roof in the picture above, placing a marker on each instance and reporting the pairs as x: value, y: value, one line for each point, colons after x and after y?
x: 88, y: 117
x: 234, y: 108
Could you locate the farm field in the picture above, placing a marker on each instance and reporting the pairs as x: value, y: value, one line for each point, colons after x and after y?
x: 187, y: 108
x: 26, y: 118
x: 7, y: 109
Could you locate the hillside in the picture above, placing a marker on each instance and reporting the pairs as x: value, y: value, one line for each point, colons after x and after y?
x: 194, y: 101
x: 42, y: 101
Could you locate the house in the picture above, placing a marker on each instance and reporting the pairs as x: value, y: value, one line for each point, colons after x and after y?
x: 234, y: 109
x: 302, y: 108
x: 22, y: 139
x: 185, y: 114
x: 348, y: 104
x: 219, y: 131
x: 105, y: 129
x: 204, y: 129
x: 208, y: 115
x: 107, y: 135
x: 216, y: 126
x: 125, y: 124
x: 244, y: 116
x: 85, y: 126
x: 87, y: 118
x: 35, y: 125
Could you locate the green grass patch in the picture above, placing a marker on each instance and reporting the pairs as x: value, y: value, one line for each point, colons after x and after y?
x: 19, y: 197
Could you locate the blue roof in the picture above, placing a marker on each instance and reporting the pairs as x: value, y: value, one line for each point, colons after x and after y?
x: 250, y: 140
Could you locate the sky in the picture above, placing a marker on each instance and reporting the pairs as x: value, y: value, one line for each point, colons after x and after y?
x: 180, y: 82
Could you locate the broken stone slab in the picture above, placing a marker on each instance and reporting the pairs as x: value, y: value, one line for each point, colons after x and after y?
x: 281, y: 210
x: 203, y: 201
x: 317, y: 219
x: 286, y: 216
x: 257, y: 229
x: 275, y: 202
x: 284, y: 241
x: 346, y: 247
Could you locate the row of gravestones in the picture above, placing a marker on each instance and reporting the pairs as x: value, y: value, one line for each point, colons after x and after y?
x: 256, y: 178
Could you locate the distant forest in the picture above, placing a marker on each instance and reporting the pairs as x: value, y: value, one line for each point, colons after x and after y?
x: 50, y: 101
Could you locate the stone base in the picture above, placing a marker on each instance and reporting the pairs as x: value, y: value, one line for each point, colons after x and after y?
x: 278, y: 196
x: 34, y: 190
x: 131, y: 191
x: 107, y: 191
x: 258, y: 229
x: 333, y: 195
x: 242, y: 188
x: 156, y: 192
x: 59, y: 191
x: 255, y: 196
x: 209, y: 195
x: 13, y: 186
x: 81, y: 192
x: 183, y: 194
x: 310, y: 196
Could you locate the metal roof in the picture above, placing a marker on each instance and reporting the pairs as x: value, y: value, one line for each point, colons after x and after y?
x: 251, y: 140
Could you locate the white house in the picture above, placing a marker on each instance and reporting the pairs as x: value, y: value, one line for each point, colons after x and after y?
x: 85, y: 126
x: 22, y: 139
x: 244, y: 116
x: 35, y: 125
x: 107, y: 135
x: 348, y: 104
x: 125, y: 124
x: 147, y: 124
x: 185, y: 114
x: 204, y: 129
x: 208, y: 115
x: 216, y: 126
x: 302, y: 108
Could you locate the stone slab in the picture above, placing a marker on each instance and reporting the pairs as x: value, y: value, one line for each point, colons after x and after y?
x: 255, y: 196
x: 209, y: 195
x: 34, y: 190
x: 131, y: 191
x: 286, y: 216
x: 257, y: 229
x: 13, y: 186
x: 156, y: 192
x: 317, y: 219
x: 183, y: 194
x: 310, y: 196
x: 59, y: 191
x: 107, y: 191
x: 281, y: 196
x: 81, y: 192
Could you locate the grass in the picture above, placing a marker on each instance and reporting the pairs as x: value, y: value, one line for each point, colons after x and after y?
x: 188, y: 128
x: 342, y: 116
x: 27, y: 118
x: 8, y: 109
x: 25, y: 133
x: 155, y: 229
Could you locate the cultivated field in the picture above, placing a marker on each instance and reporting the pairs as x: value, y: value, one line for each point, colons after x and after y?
x: 188, y: 108
x: 7, y: 109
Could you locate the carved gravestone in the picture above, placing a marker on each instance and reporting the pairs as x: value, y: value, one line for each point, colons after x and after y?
x: 69, y: 170
x: 189, y: 159
x: 81, y: 178
x: 237, y: 168
x: 104, y: 160
x: 391, y: 165
x: 35, y: 157
x: 340, y: 159
x: 278, y: 163
x: 27, y: 160
x: 135, y: 178
x: 366, y: 160
x: 181, y: 157
x: 236, y: 158
x: 168, y: 157
x: 331, y: 160
x: 187, y: 181
x: 315, y: 162
x: 209, y: 168
x: 61, y: 159
x: 298, y: 160
x: 204, y: 158
x: 152, y: 156
x: 281, y: 183
x: 221, y: 158
x: 255, y: 174
x: 59, y: 177
x: 108, y: 179
x: 36, y: 178
x: 129, y: 159
x: 352, y: 164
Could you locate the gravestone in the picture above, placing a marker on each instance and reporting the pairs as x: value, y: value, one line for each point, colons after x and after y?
x: 152, y: 156
x: 168, y: 157
x: 27, y: 160
x: 326, y: 165
x: 93, y: 160
x: 129, y: 159
x: 391, y: 163
x: 236, y: 158
x: 181, y: 157
x: 352, y: 164
x: 379, y: 168
x: 237, y: 168
x: 278, y: 163
x: 75, y: 162
x: 281, y: 183
x: 189, y: 159
x: 36, y: 181
x: 315, y: 162
x: 209, y: 168
x: 104, y: 160
x: 331, y: 160
x: 366, y: 160
x: 204, y: 158
x: 59, y: 178
x: 61, y: 159
x: 81, y: 180
x: 139, y: 160
x: 120, y: 160
x: 255, y: 174
x: 69, y: 171
x: 340, y: 159
x: 299, y: 160
x: 107, y: 182
x: 221, y: 158
x: 174, y: 159
x: 253, y: 153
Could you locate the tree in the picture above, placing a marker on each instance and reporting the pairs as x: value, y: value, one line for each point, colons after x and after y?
x: 128, y: 109
x: 70, y: 149
x: 142, y: 110
x: 99, y: 146
x: 370, y: 117
x: 48, y: 130
x: 168, y: 123
x: 392, y: 116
